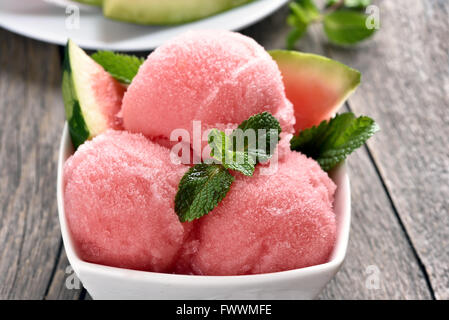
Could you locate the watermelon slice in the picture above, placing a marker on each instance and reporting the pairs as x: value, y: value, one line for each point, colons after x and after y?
x: 92, y: 97
x: 316, y: 86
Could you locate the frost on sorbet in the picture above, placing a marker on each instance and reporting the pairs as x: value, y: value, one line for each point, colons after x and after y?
x: 118, y: 195
x: 268, y: 223
x: 211, y: 76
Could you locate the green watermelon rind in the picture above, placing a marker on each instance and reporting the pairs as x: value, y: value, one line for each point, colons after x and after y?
x: 352, y: 76
x: 169, y: 12
x: 79, y: 132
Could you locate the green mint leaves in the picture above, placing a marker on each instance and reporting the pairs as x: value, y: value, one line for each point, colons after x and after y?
x: 204, y: 185
x: 303, y: 13
x: 332, y: 141
x: 344, y: 21
x: 267, y: 132
x: 253, y: 141
x: 201, y: 189
x: 227, y: 157
x: 122, y: 67
x: 346, y: 27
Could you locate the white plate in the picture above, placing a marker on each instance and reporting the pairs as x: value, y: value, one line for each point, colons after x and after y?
x: 44, y: 21
x: 103, y: 282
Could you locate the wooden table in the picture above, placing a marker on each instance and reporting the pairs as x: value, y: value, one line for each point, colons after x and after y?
x: 400, y: 180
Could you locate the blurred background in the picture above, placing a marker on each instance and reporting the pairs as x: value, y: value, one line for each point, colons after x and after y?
x: 399, y: 180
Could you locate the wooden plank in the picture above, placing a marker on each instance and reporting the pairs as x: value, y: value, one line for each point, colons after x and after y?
x: 377, y: 238
x: 406, y: 89
x: 30, y: 128
x: 64, y: 284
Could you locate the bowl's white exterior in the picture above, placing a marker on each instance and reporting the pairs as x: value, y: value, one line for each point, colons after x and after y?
x: 103, y: 282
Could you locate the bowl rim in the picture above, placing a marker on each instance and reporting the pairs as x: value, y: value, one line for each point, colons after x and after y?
x: 82, y: 267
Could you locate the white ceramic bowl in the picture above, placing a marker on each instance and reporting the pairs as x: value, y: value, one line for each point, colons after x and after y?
x: 103, y: 282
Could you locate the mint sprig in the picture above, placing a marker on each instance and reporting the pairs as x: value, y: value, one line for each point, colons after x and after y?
x: 122, y: 67
x: 345, y: 27
x: 344, y: 21
x: 205, y: 185
x: 267, y: 133
x: 303, y: 13
x: 222, y: 151
x: 332, y: 141
x: 253, y: 141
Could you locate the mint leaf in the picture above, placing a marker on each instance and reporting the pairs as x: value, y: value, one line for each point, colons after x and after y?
x: 219, y: 143
x: 242, y: 163
x: 266, y: 129
x: 253, y: 141
x: 331, y: 142
x: 205, y: 185
x: 223, y: 151
x: 344, y: 21
x: 345, y: 27
x: 294, y: 35
x: 303, y: 12
x: 122, y: 67
x: 200, y: 190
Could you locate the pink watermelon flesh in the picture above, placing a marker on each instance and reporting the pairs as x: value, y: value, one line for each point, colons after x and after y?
x: 118, y: 196
x: 317, y: 86
x: 109, y: 95
x: 313, y: 101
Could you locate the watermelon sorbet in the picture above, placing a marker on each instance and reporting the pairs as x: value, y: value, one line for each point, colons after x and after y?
x: 118, y: 196
x: 216, y: 77
x: 119, y: 188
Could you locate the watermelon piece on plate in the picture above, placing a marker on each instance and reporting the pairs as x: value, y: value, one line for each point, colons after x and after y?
x: 156, y: 12
x: 91, y: 2
x: 316, y: 86
x: 92, y: 97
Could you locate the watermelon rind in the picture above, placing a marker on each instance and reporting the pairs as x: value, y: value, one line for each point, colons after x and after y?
x: 165, y: 12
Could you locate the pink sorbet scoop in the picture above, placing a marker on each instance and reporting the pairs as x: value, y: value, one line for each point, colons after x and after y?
x: 216, y: 77
x: 118, y: 196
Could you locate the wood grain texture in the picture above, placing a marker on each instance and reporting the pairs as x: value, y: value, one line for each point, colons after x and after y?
x: 64, y: 284
x: 377, y: 236
x: 406, y: 89
x: 377, y: 241
x: 30, y: 127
